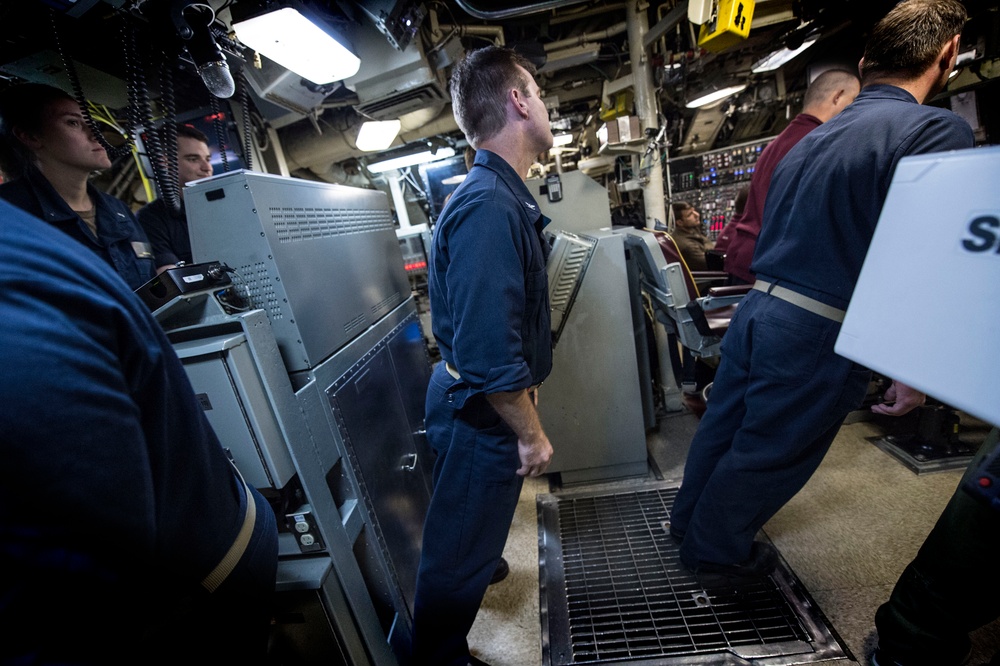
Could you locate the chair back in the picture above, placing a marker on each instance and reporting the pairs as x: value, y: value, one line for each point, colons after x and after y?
x: 673, y: 256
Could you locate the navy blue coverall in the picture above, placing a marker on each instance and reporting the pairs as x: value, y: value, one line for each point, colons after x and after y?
x: 490, y: 315
x: 120, y: 240
x: 781, y: 393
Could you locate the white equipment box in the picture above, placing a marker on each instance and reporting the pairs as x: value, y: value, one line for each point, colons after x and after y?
x: 926, y: 309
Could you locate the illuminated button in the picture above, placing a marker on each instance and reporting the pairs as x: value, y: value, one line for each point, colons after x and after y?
x: 985, y: 482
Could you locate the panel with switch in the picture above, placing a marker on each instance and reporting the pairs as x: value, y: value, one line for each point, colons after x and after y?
x: 710, y: 181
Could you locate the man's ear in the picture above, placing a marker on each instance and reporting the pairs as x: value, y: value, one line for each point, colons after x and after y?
x: 517, y: 98
x: 949, y: 53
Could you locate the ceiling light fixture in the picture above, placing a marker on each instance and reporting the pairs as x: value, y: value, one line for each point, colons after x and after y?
x: 377, y: 134
x: 562, y: 140
x: 411, y: 159
x: 714, y: 94
x: 299, y: 44
x: 778, y: 58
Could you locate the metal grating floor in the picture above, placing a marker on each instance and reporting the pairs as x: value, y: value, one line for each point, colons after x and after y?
x: 613, y: 591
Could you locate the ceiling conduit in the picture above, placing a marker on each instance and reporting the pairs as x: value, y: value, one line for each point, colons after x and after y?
x: 501, y: 14
x: 608, y: 33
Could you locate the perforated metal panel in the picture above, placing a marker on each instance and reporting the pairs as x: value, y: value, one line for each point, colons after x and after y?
x: 614, y: 591
x: 301, y: 224
x: 255, y: 283
x: 322, y: 260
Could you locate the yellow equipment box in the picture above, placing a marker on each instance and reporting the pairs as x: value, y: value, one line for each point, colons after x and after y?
x: 729, y: 26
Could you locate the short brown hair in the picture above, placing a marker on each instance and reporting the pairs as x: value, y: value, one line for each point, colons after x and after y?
x: 679, y: 208
x: 479, y: 85
x: 908, y: 39
x: 191, y: 132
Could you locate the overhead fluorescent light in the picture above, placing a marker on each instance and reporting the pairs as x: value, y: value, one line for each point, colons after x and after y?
x: 411, y: 160
x: 562, y: 139
x: 296, y: 43
x: 377, y: 134
x: 778, y: 58
x: 965, y: 57
x: 571, y: 57
x: 715, y: 95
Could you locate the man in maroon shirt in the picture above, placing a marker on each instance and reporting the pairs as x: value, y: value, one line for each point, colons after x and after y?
x: 826, y: 96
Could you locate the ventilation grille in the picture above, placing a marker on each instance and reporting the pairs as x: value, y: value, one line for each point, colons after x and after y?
x: 393, y: 106
x: 567, y: 266
x: 303, y: 224
x: 569, y: 275
x: 257, y: 287
x: 354, y: 323
x: 385, y: 304
x: 614, y: 592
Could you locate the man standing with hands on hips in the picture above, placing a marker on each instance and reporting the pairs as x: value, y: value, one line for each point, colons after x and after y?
x: 490, y: 317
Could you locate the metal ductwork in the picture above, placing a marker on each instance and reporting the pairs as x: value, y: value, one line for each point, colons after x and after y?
x: 393, y: 83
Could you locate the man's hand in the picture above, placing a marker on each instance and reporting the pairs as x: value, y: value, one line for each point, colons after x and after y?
x: 535, y: 457
x: 904, y: 399
x: 517, y: 409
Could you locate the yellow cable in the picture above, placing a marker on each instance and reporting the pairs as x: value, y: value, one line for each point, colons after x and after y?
x: 103, y: 114
x: 146, y: 185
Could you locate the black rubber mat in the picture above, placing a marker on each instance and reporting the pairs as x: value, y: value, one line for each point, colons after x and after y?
x: 613, y: 591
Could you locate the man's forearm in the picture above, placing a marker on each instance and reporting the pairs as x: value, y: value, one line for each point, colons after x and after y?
x: 518, y: 411
x: 533, y: 448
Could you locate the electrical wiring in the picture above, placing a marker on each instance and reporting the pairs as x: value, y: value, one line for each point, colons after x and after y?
x: 102, y: 114
x: 411, y: 179
x: 70, y: 68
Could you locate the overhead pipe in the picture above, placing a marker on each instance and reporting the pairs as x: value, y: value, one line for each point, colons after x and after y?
x: 441, y: 31
x: 501, y: 14
x: 616, y: 29
x: 586, y: 13
x: 645, y: 104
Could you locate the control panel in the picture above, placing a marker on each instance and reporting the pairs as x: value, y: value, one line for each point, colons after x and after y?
x: 181, y: 280
x: 711, y: 180
x: 414, y: 254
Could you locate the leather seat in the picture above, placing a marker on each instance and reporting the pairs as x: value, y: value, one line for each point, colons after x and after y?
x: 716, y: 320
